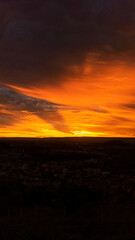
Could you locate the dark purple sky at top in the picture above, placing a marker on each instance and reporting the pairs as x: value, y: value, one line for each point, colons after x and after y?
x: 41, y: 40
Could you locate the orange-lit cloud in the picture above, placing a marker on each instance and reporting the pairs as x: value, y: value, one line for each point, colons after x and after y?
x: 67, y: 68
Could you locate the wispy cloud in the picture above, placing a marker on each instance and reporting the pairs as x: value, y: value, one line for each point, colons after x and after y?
x: 12, y: 100
x: 129, y: 105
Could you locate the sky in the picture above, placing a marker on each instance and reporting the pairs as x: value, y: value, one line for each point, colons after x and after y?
x: 67, y: 68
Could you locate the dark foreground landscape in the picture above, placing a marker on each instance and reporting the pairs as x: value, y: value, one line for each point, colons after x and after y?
x: 67, y: 188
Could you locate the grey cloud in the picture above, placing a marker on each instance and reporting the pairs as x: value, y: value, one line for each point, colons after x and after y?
x: 15, y: 99
x: 48, y: 111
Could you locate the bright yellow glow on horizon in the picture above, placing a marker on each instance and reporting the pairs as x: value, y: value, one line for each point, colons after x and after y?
x: 90, y: 134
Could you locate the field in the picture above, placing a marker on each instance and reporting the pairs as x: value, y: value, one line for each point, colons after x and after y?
x: 67, y: 188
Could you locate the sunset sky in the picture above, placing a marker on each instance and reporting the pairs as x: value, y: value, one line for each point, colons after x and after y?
x: 67, y: 68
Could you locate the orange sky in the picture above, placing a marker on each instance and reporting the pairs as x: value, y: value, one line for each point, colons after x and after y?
x: 67, y: 68
x: 88, y: 107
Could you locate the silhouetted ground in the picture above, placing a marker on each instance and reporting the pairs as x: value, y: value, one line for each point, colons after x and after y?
x: 67, y: 188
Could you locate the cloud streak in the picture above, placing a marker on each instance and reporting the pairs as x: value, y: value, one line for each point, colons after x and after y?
x: 12, y: 100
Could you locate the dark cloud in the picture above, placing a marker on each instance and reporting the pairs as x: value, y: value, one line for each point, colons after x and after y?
x: 129, y: 105
x: 12, y: 100
x: 17, y: 101
x: 99, y: 110
x: 40, y: 40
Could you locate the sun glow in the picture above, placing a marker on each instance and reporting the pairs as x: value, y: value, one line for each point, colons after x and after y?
x: 90, y: 134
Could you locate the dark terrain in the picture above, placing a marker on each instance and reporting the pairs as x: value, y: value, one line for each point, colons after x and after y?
x: 67, y: 188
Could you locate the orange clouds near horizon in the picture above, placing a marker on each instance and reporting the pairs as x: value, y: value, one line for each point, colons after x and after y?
x: 85, y: 107
x: 67, y: 68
